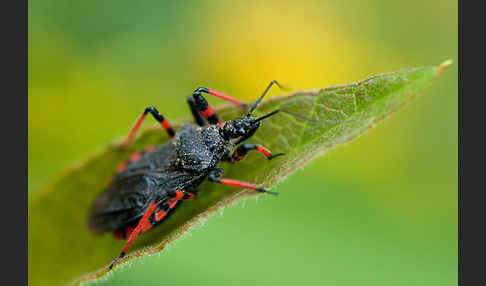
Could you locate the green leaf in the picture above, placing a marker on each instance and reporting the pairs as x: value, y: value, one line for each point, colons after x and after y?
x: 62, y: 250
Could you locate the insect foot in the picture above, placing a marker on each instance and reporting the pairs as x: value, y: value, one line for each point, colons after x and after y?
x: 276, y: 155
x: 230, y: 182
x: 116, y: 259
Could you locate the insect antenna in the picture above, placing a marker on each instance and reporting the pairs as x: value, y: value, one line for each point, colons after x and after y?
x: 268, y: 115
x: 263, y: 95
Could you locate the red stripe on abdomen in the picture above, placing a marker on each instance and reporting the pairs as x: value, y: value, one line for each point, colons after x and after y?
x: 147, y: 225
x: 160, y: 215
x: 135, y: 157
x: 172, y: 203
x: 150, y: 149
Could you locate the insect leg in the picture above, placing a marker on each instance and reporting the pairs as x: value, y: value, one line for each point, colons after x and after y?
x: 164, y: 208
x: 195, y: 111
x: 263, y: 95
x: 204, y: 109
x: 136, y: 231
x: 219, y: 94
x: 213, y: 177
x: 243, y: 149
x: 155, y: 113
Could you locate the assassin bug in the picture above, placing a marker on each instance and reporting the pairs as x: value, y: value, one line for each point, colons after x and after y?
x: 153, y: 182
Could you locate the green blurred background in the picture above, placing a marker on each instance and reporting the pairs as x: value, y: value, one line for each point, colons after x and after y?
x: 381, y: 210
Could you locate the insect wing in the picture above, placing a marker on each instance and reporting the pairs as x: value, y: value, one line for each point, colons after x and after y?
x: 123, y: 202
x: 148, y: 160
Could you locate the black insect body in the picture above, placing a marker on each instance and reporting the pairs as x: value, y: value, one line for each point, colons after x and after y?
x: 151, y: 184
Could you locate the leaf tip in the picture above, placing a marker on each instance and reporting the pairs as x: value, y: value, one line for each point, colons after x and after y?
x: 443, y: 66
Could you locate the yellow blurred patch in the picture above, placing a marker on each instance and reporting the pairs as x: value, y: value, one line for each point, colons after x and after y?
x: 298, y: 45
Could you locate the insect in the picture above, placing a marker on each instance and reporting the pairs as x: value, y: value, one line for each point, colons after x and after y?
x: 153, y: 182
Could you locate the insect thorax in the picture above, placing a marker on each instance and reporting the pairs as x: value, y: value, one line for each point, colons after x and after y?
x: 200, y: 148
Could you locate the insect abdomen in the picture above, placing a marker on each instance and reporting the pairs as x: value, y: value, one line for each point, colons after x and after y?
x: 162, y: 212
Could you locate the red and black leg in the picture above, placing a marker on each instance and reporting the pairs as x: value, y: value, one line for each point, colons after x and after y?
x: 158, y: 215
x: 216, y: 173
x: 195, y: 111
x: 136, y: 231
x: 164, y: 208
x: 242, y: 150
x: 200, y: 108
x: 155, y: 113
x: 152, y: 216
